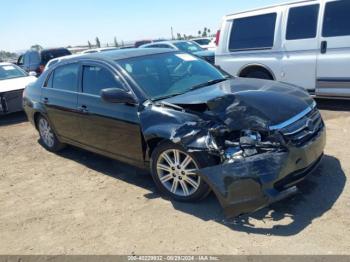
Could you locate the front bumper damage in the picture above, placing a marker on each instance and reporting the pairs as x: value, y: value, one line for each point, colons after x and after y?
x: 254, y: 182
x: 11, y: 102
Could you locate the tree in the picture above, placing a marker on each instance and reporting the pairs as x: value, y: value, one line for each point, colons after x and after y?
x: 205, y: 34
x: 37, y: 47
x: 199, y: 33
x: 179, y: 37
x: 98, y: 43
x: 90, y: 46
x: 116, y: 42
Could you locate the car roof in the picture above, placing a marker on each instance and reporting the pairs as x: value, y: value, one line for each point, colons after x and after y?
x: 272, y: 6
x: 121, y: 54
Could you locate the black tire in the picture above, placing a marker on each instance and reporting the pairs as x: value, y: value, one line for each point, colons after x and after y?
x: 199, y: 159
x: 48, y: 138
x: 258, y: 74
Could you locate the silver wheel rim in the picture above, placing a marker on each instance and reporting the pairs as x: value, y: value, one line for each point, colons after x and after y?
x: 46, y: 132
x: 176, y: 171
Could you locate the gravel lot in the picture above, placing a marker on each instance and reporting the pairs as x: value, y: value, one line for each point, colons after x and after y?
x: 81, y: 203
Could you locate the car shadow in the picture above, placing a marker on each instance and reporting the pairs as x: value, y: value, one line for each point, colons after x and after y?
x: 12, y: 119
x: 317, y: 194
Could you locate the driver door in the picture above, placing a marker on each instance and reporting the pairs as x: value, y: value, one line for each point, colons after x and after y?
x: 111, y: 129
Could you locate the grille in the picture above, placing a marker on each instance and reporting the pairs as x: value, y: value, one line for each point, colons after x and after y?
x: 305, y: 129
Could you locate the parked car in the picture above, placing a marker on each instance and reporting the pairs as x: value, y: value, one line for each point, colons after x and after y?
x: 13, y: 80
x: 206, y: 43
x: 35, y: 61
x: 305, y: 43
x: 98, y: 50
x: 196, y: 127
x: 185, y: 46
x: 59, y: 59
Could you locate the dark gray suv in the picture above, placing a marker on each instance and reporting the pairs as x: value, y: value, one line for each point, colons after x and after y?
x: 35, y: 61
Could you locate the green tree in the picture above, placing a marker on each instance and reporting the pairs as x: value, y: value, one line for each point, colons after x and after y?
x: 116, y: 42
x: 98, y: 43
x: 199, y: 33
x: 37, y: 47
x: 90, y: 46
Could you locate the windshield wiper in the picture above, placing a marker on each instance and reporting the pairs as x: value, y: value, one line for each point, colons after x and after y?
x: 166, y: 96
x: 209, y: 83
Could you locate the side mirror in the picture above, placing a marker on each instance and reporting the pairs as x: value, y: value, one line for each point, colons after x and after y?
x: 32, y: 73
x: 117, y: 96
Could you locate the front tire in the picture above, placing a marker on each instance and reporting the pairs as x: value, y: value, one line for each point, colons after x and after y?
x: 173, y: 171
x: 47, y: 136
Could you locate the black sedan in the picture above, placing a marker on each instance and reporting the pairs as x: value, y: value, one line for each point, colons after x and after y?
x: 199, y: 129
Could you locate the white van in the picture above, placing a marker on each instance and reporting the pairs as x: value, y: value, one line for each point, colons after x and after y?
x: 306, y: 43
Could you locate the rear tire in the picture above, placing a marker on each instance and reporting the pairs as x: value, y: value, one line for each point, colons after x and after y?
x: 173, y: 168
x: 47, y: 136
x: 258, y: 74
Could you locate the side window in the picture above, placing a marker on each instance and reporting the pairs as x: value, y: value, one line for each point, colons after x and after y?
x: 302, y: 22
x: 66, y: 77
x: 96, y: 78
x: 336, y: 19
x: 256, y: 32
x: 20, y: 60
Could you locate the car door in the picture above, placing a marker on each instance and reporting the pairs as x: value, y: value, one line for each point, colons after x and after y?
x: 300, y: 45
x: 110, y: 128
x: 60, y: 97
x: 333, y: 65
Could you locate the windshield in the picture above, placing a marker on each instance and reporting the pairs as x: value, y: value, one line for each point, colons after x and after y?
x: 169, y: 74
x: 189, y: 47
x: 48, y: 55
x: 11, y: 71
x: 203, y: 41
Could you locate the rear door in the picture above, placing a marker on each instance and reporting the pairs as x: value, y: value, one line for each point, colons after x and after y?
x: 113, y: 129
x: 60, y: 97
x: 333, y: 65
x: 300, y: 45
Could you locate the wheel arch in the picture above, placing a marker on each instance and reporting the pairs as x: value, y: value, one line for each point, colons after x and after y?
x: 256, y: 66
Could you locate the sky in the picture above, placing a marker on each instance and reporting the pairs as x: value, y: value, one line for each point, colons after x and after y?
x: 55, y: 23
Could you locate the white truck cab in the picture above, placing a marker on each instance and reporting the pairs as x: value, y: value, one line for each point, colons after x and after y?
x: 306, y: 43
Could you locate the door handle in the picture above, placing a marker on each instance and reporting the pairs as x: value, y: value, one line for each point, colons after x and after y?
x: 324, y: 46
x: 83, y: 109
x: 45, y: 100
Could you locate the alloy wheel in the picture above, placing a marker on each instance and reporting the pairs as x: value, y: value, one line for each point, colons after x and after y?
x: 176, y: 171
x: 46, y: 133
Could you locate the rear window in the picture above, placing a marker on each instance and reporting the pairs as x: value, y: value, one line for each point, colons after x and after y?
x: 337, y: 19
x: 302, y: 22
x: 256, y: 32
x: 47, y: 55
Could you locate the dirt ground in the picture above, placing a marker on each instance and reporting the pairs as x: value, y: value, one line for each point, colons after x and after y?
x: 81, y: 203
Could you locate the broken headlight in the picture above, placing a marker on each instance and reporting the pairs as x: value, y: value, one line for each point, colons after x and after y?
x: 245, y: 146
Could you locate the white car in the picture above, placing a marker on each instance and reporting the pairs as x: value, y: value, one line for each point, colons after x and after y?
x: 59, y: 59
x: 306, y: 43
x: 13, y: 81
x: 98, y: 50
x: 206, y: 43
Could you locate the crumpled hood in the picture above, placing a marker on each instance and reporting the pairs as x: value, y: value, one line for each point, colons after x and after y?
x: 247, y: 103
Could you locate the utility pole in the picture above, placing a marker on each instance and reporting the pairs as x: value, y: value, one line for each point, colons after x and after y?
x: 172, y: 34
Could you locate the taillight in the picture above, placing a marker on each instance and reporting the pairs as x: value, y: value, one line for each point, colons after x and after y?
x: 217, y: 39
x: 41, y: 68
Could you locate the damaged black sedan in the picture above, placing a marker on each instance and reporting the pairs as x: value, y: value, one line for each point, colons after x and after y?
x: 197, y: 128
